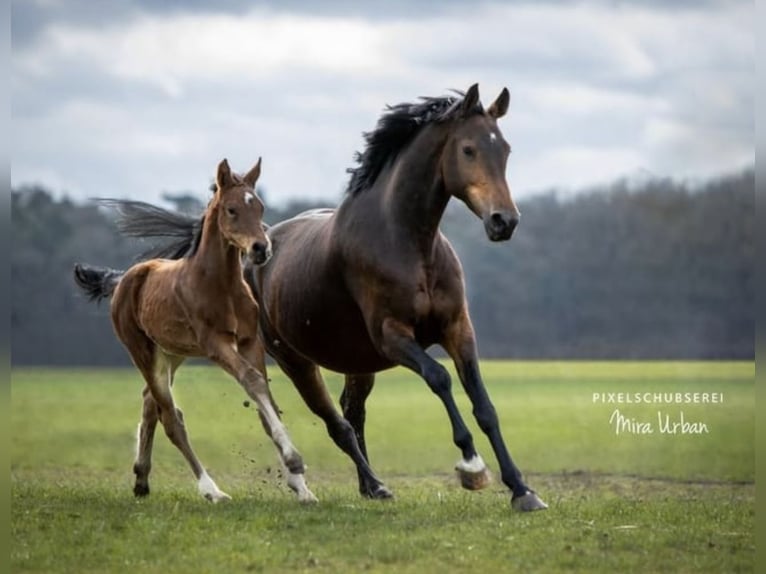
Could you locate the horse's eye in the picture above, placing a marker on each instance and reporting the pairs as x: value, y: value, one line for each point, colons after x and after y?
x: 231, y: 211
x: 469, y: 151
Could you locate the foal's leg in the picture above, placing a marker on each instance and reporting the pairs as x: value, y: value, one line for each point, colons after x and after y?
x: 460, y: 343
x: 352, y: 399
x: 144, y: 442
x: 159, y: 378
x: 145, y: 438
x: 258, y: 389
x: 307, y: 379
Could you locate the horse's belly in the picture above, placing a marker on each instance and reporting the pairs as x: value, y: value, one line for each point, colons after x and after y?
x: 336, y: 340
x: 344, y: 352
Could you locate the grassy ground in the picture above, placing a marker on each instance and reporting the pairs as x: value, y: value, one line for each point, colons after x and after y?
x: 619, y: 502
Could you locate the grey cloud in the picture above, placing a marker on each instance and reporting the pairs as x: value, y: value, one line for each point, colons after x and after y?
x: 307, y: 122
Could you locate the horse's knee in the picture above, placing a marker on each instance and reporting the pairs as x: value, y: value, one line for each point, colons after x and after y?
x: 486, y: 418
x: 438, y: 379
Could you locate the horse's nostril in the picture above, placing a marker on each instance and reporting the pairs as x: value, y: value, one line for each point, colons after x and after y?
x: 260, y: 252
x: 500, y: 225
x: 503, y: 221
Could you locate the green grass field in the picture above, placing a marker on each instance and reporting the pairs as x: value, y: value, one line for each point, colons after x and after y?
x: 618, y: 502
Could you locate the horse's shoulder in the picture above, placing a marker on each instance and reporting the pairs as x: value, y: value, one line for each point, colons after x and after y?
x: 445, y: 256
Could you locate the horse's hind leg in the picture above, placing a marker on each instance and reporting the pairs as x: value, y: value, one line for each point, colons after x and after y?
x: 352, y: 400
x: 307, y: 379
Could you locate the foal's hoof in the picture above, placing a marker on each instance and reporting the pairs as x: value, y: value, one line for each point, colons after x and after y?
x: 216, y: 497
x: 209, y: 489
x: 307, y: 498
x: 473, y: 474
x: 141, y: 490
x: 528, y: 502
x: 378, y: 492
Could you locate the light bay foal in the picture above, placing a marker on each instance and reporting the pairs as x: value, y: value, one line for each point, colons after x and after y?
x: 199, y: 306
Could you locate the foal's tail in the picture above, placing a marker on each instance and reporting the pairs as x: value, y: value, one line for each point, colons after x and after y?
x: 97, y: 282
x: 180, y: 233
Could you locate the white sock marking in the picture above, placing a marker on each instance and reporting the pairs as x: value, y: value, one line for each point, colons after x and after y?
x: 297, y: 484
x: 474, y: 465
x: 209, y: 489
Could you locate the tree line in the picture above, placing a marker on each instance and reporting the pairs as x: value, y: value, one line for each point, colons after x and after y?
x: 658, y: 269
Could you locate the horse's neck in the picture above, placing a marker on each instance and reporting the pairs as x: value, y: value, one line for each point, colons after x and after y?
x: 409, y: 198
x: 220, y: 260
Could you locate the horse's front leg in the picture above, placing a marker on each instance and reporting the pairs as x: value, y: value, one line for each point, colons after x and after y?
x: 460, y: 343
x: 398, y: 344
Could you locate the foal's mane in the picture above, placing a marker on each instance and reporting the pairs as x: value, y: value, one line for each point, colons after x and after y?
x: 396, y: 128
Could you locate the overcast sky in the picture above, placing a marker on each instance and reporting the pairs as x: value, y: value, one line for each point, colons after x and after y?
x: 130, y: 99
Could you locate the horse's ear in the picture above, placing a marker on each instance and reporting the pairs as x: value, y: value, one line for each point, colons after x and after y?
x: 470, y: 100
x: 223, y: 177
x: 500, y: 105
x: 252, y: 176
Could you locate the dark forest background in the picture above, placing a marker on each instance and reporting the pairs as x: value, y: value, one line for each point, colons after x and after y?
x: 656, y: 269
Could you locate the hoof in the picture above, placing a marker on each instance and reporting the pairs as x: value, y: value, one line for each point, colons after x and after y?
x: 209, y: 489
x: 379, y: 492
x: 528, y: 502
x: 308, y: 498
x: 141, y: 490
x: 216, y: 497
x: 297, y: 483
x: 473, y: 474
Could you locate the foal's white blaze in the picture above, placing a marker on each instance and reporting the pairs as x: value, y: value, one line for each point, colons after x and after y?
x: 209, y: 489
x: 473, y: 465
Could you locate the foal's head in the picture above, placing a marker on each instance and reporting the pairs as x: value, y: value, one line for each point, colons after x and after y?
x: 474, y: 160
x: 239, y: 211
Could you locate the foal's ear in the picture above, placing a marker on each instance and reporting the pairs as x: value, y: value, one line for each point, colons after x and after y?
x: 223, y: 177
x: 470, y: 100
x: 500, y: 105
x: 252, y: 176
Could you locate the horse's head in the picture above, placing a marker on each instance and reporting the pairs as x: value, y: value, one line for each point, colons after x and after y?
x: 240, y: 212
x: 474, y: 160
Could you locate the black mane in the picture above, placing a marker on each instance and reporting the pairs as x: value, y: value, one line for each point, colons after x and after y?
x: 396, y: 128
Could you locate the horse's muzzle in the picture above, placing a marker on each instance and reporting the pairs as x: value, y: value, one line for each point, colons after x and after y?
x: 500, y: 225
x: 260, y: 252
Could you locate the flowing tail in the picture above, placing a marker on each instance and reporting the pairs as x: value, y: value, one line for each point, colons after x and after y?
x: 98, y: 283
x: 181, y: 233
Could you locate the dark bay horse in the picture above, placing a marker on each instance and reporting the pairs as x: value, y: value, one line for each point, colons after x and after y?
x: 374, y: 283
x: 166, y: 310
